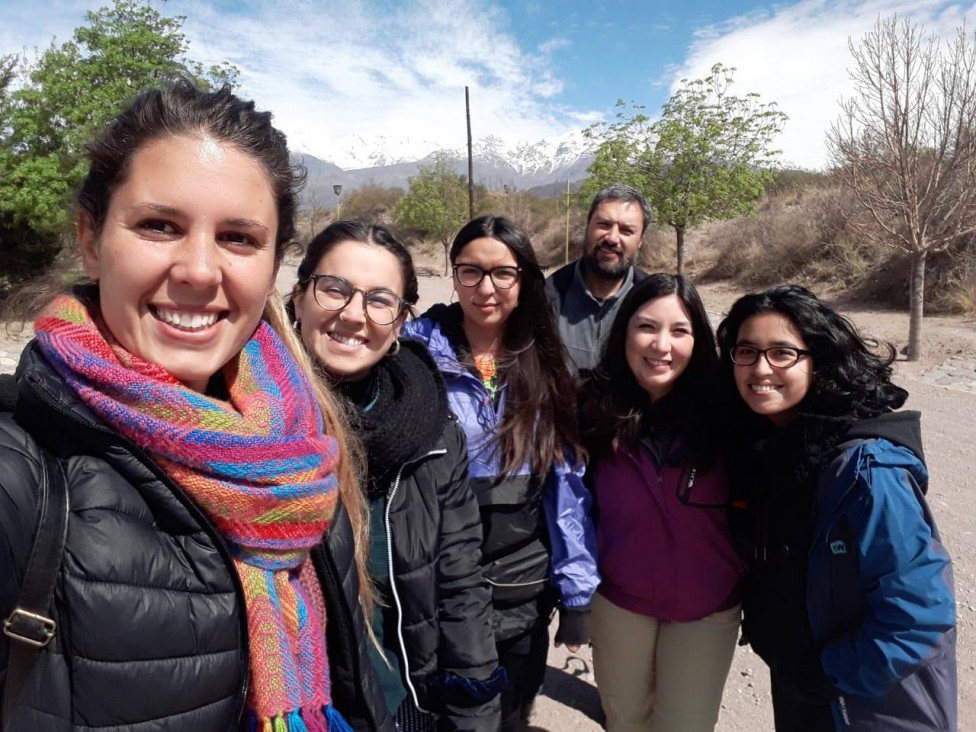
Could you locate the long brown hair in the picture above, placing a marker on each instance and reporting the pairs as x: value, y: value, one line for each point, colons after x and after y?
x: 539, y: 426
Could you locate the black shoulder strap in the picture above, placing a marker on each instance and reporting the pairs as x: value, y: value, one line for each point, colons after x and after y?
x: 30, y: 626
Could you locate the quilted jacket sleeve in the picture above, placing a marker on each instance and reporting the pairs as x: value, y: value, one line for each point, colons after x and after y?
x: 468, y: 661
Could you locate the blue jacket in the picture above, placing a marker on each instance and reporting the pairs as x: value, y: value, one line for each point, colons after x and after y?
x: 517, y: 565
x: 880, y: 589
x: 849, y: 597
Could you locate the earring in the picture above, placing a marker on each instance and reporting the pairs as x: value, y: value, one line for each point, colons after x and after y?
x: 395, y: 348
x: 453, y: 298
x: 297, y: 325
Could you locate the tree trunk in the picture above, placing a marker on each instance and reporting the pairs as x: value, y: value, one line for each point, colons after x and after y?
x: 680, y: 231
x: 447, y: 262
x: 916, y: 300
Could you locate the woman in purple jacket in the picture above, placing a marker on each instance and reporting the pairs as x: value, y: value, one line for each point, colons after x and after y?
x: 666, y: 616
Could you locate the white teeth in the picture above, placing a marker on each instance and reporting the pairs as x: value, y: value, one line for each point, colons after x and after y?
x: 347, y: 340
x: 654, y: 362
x: 763, y: 388
x: 186, y: 321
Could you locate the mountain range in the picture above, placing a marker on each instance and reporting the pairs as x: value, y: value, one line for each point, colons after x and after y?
x: 542, y: 167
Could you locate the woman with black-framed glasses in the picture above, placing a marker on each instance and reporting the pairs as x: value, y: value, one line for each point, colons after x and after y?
x: 666, y: 617
x: 356, y: 286
x: 500, y: 353
x: 849, y: 594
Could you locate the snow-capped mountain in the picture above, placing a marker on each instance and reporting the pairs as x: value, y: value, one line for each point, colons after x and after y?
x: 521, y: 165
x: 542, y: 157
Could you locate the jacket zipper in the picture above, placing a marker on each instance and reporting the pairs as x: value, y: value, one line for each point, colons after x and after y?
x: 194, y: 510
x: 389, y: 564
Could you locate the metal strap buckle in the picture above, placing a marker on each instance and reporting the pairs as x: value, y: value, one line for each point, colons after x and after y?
x: 30, y: 628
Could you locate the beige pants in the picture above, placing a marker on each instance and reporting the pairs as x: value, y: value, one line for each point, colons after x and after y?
x: 660, y: 676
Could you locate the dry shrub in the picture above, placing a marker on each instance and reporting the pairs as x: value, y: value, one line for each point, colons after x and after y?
x: 659, y: 251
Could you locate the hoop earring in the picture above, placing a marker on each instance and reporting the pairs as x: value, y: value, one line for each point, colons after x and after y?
x: 453, y: 299
x: 394, y: 349
x: 297, y: 325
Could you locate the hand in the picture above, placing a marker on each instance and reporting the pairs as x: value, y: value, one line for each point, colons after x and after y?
x: 574, y: 628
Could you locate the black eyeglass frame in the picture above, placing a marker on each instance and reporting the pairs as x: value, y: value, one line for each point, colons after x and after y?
x: 764, y: 352
x: 313, y: 279
x: 490, y: 273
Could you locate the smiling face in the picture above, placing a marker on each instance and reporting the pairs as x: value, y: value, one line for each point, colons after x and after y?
x: 660, y: 340
x: 185, y: 260
x: 613, y: 237
x: 486, y: 307
x: 345, y: 341
x: 773, y: 392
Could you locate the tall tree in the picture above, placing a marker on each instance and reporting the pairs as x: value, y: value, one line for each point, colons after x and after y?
x: 905, y: 146
x: 436, y: 203
x: 708, y: 156
x: 67, y: 95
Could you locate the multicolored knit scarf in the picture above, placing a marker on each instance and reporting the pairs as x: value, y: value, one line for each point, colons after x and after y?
x: 258, y: 465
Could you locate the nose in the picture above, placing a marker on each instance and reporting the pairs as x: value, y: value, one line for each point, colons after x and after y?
x: 613, y: 235
x: 486, y: 286
x: 662, y: 342
x: 198, y: 261
x: 761, y: 366
x: 355, y: 309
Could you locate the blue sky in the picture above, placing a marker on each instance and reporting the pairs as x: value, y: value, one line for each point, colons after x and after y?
x: 349, y: 77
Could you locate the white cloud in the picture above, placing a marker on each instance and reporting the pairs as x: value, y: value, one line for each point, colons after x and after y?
x: 339, y: 76
x: 798, y: 56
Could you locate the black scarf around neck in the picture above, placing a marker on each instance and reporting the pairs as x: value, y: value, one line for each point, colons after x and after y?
x: 401, y: 408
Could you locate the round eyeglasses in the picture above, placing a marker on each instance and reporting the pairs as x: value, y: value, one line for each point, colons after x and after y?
x: 779, y: 357
x: 381, y: 306
x: 470, y: 275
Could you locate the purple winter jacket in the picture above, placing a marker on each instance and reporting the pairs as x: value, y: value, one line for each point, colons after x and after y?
x: 663, y: 540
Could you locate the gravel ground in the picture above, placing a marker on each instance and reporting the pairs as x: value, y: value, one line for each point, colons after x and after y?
x: 942, y: 387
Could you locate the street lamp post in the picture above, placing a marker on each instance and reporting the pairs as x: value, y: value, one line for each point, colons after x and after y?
x: 337, y: 189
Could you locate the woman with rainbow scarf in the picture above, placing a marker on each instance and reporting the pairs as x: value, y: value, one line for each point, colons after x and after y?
x: 202, y: 462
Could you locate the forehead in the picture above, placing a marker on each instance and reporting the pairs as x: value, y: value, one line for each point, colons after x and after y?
x: 768, y: 329
x: 665, y: 308
x: 197, y: 173
x: 486, y: 251
x: 364, y: 265
x: 620, y: 212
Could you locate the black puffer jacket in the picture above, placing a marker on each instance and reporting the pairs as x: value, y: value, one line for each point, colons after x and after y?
x: 439, y: 604
x: 151, y: 633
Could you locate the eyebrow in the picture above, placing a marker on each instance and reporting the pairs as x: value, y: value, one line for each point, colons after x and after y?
x: 774, y: 344
x: 654, y: 321
x: 165, y: 210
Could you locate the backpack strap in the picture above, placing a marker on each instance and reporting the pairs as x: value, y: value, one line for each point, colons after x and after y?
x: 30, y: 626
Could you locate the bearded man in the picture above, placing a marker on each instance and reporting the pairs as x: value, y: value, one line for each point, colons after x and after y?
x: 586, y: 293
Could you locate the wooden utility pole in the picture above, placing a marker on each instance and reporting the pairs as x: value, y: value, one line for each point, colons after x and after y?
x: 567, y: 222
x: 467, y: 112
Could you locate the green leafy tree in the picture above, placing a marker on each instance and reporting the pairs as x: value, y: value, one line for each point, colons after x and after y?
x: 435, y: 204
x: 68, y: 95
x: 708, y: 156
